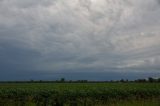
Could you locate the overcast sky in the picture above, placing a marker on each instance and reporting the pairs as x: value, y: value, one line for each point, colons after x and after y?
x: 77, y: 39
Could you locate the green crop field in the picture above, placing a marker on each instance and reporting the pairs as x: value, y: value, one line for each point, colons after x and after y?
x: 79, y: 94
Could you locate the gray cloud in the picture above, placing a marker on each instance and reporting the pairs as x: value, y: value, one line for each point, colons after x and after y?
x: 59, y: 35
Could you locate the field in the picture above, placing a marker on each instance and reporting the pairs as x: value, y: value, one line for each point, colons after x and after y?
x: 80, y: 94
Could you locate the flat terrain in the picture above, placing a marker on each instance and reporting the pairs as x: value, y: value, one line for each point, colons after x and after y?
x: 79, y: 94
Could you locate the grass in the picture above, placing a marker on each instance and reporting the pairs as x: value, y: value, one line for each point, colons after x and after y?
x: 79, y: 94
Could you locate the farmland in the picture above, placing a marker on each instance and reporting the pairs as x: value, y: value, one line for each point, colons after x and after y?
x: 79, y: 94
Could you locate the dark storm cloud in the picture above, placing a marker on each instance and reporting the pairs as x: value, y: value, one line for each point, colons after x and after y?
x: 158, y: 1
x: 79, y: 35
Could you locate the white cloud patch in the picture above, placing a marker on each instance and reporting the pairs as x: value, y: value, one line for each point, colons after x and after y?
x: 73, y: 34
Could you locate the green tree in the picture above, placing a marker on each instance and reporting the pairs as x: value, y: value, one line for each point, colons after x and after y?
x: 62, y: 80
x: 150, y: 79
x: 122, y: 80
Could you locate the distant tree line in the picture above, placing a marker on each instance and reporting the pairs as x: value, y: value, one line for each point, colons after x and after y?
x: 62, y: 80
x: 150, y: 79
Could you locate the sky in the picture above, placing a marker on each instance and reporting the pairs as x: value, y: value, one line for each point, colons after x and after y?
x: 79, y: 39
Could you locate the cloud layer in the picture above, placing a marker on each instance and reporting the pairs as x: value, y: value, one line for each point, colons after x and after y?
x: 79, y: 35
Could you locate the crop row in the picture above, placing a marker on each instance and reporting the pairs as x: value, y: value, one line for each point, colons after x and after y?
x: 58, y: 95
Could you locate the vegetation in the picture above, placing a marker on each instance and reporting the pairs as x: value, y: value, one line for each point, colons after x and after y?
x: 62, y: 80
x: 77, y: 94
